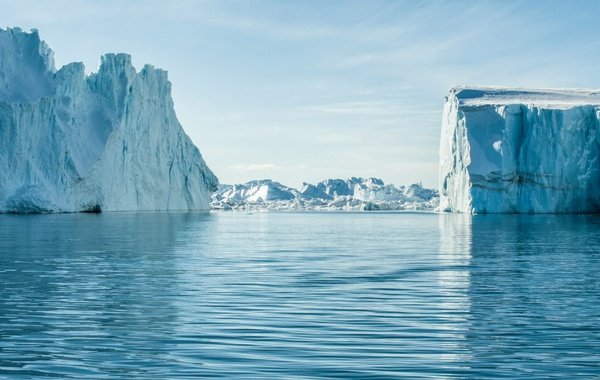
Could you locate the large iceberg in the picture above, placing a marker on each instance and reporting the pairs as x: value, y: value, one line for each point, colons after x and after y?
x: 509, y: 150
x: 352, y: 194
x: 109, y: 141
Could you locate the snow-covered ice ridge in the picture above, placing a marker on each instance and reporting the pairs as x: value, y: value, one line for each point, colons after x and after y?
x: 511, y: 150
x: 109, y: 141
x: 353, y: 194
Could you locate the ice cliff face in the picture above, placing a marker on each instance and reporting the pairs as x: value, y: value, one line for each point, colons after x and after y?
x: 520, y: 151
x: 353, y: 194
x: 109, y: 141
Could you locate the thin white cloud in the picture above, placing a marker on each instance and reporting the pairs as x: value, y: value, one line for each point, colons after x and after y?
x: 370, y: 108
x: 252, y: 167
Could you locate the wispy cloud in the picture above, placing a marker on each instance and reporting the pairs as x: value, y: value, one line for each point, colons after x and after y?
x: 252, y: 167
x: 349, y: 88
x: 370, y: 108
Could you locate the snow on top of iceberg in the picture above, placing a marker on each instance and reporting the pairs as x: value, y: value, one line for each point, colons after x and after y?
x: 541, y: 97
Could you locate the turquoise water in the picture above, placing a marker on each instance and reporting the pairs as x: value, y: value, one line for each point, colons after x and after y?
x: 299, y: 295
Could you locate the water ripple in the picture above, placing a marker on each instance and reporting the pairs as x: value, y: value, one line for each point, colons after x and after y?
x: 303, y: 296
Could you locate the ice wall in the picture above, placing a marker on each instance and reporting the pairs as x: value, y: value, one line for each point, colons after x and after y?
x: 508, y: 150
x: 109, y: 141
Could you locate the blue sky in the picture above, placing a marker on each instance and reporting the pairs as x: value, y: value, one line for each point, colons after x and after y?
x: 307, y: 90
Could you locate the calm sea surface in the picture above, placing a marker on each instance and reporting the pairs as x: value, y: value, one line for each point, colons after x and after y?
x: 299, y: 295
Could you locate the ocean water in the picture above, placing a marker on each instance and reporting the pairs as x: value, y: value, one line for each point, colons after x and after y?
x: 299, y: 296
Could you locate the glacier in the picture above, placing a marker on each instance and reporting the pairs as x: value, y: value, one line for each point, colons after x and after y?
x: 108, y: 141
x: 512, y: 150
x: 352, y: 194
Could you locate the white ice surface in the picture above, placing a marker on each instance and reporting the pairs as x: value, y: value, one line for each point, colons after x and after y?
x: 109, y: 141
x: 555, y: 98
x: 351, y: 194
x: 506, y: 150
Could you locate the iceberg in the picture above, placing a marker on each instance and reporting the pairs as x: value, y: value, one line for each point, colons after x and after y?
x: 510, y: 150
x: 352, y: 194
x: 108, y: 141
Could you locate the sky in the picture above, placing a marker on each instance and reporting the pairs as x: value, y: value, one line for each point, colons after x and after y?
x: 301, y: 91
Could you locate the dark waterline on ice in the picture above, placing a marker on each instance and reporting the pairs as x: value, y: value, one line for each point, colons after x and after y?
x: 299, y: 295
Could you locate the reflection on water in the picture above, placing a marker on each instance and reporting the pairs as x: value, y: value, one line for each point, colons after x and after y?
x: 342, y: 295
x: 454, y: 282
x: 531, y: 292
x: 534, y: 294
x: 87, y: 288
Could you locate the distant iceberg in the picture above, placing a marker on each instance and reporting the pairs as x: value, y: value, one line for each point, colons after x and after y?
x: 509, y: 150
x: 352, y: 194
x: 109, y: 141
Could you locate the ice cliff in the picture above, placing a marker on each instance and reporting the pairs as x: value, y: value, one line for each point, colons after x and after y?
x: 109, y: 141
x: 520, y: 151
x: 352, y: 194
